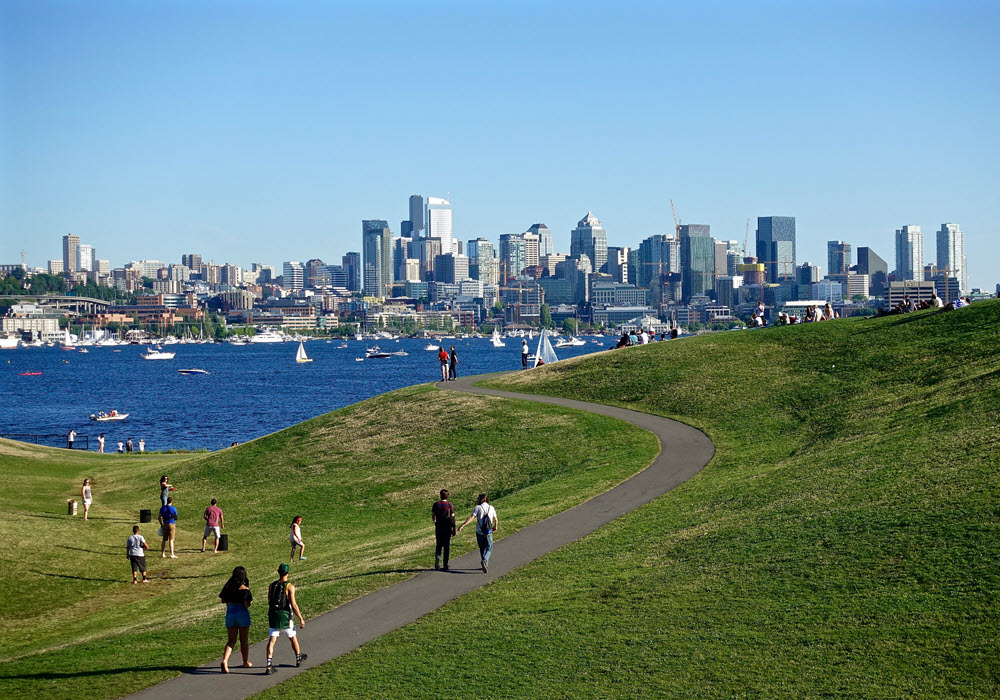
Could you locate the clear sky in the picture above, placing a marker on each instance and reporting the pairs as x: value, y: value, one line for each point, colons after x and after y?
x: 265, y: 131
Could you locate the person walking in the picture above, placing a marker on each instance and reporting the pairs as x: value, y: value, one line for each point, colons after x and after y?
x: 168, y: 521
x: 214, y: 522
x: 443, y: 359
x: 87, y: 497
x: 135, y: 549
x: 453, y: 365
x: 443, y: 517
x: 487, y: 523
x: 100, y: 443
x: 524, y: 354
x: 295, y: 537
x: 70, y: 438
x: 165, y: 488
x: 128, y: 446
x: 236, y: 596
x: 142, y: 445
x: 280, y: 607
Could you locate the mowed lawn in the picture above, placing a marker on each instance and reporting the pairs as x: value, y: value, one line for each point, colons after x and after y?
x: 843, y: 542
x: 363, y: 478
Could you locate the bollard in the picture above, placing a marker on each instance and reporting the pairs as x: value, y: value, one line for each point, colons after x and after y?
x: 145, y: 515
x: 71, y: 506
x: 223, y: 543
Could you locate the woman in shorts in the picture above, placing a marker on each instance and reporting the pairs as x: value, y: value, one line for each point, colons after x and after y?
x: 237, y: 597
x: 295, y: 537
x: 87, y: 497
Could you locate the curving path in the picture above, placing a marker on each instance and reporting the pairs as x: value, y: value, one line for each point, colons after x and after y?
x: 348, y: 627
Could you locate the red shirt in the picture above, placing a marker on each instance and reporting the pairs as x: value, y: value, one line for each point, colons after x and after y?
x: 443, y: 355
x: 213, y: 514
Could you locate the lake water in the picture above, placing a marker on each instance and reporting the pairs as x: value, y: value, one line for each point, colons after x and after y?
x: 250, y: 390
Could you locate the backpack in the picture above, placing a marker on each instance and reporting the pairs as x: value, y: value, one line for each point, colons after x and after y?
x: 485, y: 522
x: 277, y: 596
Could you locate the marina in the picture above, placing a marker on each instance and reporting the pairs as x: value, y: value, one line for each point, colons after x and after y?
x: 242, y: 391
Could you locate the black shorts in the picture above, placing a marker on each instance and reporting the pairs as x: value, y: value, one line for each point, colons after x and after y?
x: 138, y: 563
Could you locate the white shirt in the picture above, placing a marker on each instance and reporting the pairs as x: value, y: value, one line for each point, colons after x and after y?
x: 484, y: 510
x: 134, y: 545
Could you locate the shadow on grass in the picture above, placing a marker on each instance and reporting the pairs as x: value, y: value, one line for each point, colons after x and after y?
x: 78, y: 578
x: 371, y: 573
x: 93, y: 551
x: 54, y: 676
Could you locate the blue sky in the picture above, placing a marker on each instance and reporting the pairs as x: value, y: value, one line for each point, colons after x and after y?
x: 265, y: 131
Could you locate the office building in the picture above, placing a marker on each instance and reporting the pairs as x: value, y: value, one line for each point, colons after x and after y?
x: 56, y: 267
x: 838, y: 257
x: 910, y: 253
x: 351, y: 262
x: 483, y: 256
x: 776, y: 246
x: 513, y: 255
x: 71, y: 254
x: 877, y: 269
x: 807, y: 273
x: 376, y: 239
x: 530, y: 248
x: 697, y: 249
x: 951, y: 254
x: 293, y: 275
x: 192, y: 261
x: 439, y: 222
x: 658, y: 254
x: 427, y: 250
x: 589, y: 238
x: 416, y: 216
x: 450, y: 268
x: 544, y: 239
x: 85, y: 258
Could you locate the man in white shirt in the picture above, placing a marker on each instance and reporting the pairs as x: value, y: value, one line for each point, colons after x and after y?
x: 486, y: 524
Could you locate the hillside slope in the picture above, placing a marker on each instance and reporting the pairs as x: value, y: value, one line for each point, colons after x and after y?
x: 844, y: 542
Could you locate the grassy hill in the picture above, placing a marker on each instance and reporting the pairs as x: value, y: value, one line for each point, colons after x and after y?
x: 842, y: 543
x: 363, y: 478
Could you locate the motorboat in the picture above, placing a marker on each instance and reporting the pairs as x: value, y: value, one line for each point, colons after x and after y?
x: 431, y: 347
x: 571, y: 342
x: 9, y: 343
x: 267, y: 337
x: 376, y: 353
x: 105, y: 417
x: 399, y: 353
x: 84, y: 350
x: 238, y: 342
x: 192, y: 371
x: 300, y: 355
x: 152, y: 354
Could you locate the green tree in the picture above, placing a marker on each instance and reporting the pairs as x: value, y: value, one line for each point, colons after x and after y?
x: 545, y: 317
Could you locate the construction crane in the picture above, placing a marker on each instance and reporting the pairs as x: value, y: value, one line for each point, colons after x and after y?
x: 677, y: 224
x: 746, y: 238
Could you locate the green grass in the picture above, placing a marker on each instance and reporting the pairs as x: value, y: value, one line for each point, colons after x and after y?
x: 842, y: 543
x: 363, y: 478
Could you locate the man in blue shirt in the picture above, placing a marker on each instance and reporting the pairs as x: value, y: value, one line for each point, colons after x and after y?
x: 168, y: 522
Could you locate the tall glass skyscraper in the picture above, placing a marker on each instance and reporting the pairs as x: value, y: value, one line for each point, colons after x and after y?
x: 589, y: 238
x: 951, y: 254
x: 776, y: 246
x: 910, y: 253
x: 697, y: 260
x: 838, y: 257
x: 416, y: 214
x: 439, y: 222
x: 376, y: 239
x: 544, y: 239
x: 657, y: 254
x: 877, y: 269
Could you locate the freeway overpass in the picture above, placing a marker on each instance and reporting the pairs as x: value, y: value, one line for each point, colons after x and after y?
x: 85, y: 305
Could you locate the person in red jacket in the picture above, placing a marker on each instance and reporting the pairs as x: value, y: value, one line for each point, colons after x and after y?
x: 444, y: 358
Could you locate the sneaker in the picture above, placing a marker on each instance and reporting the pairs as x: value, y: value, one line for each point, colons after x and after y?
x: 300, y: 658
x: 483, y: 564
x: 437, y: 563
x: 269, y: 670
x: 145, y: 580
x: 173, y: 556
x: 303, y: 558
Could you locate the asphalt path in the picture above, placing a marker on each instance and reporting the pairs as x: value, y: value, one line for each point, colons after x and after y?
x: 684, y: 451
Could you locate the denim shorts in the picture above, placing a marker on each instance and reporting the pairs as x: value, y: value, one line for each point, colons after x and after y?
x: 237, y: 615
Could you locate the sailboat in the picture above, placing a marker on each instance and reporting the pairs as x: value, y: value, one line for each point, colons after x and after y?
x: 544, y: 355
x: 300, y: 355
x: 497, y: 343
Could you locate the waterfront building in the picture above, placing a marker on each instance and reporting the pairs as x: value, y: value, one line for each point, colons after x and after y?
x: 910, y: 253
x: 439, y: 223
x: 544, y: 239
x: 377, y: 247
x: 293, y: 275
x: 838, y: 257
x: 71, y: 256
x: 951, y: 254
x: 589, y: 238
x: 776, y: 246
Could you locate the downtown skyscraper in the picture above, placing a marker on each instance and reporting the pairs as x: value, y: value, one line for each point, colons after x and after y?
x: 439, y: 223
x: 776, y: 246
x: 951, y: 255
x: 376, y: 241
x: 910, y: 253
x: 589, y: 238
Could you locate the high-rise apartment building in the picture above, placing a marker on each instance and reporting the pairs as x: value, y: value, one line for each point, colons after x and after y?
x: 192, y: 260
x: 293, y: 275
x: 589, y: 238
x: 71, y: 254
x: 531, y: 245
x: 776, y: 246
x: 838, y: 257
x: 86, y: 258
x: 376, y: 238
x: 951, y: 254
x: 513, y: 256
x: 483, y: 255
x: 697, y: 260
x: 439, y: 222
x: 351, y: 262
x: 910, y: 253
x: 544, y: 239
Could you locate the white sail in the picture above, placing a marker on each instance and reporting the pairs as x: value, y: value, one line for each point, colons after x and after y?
x: 300, y: 355
x: 544, y: 355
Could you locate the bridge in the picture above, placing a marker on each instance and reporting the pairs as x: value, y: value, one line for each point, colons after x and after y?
x: 85, y: 305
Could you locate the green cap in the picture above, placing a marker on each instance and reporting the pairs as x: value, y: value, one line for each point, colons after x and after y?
x: 283, y: 569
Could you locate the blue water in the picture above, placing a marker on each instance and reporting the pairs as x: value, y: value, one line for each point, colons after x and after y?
x: 251, y: 390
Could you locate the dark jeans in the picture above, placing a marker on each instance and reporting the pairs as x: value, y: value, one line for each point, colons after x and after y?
x: 443, y: 543
x: 485, y: 546
x: 524, y: 361
x: 452, y: 372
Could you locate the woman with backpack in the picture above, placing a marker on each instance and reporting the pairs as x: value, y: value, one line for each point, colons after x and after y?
x: 486, y: 524
x: 237, y: 597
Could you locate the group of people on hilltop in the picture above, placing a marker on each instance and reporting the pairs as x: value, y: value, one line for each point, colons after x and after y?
x: 814, y: 313
x: 449, y: 364
x: 643, y: 336
x: 908, y: 305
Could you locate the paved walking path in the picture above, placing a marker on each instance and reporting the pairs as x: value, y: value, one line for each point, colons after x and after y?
x: 684, y: 451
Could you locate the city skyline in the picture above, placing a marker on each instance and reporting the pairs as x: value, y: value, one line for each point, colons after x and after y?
x: 149, y: 134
